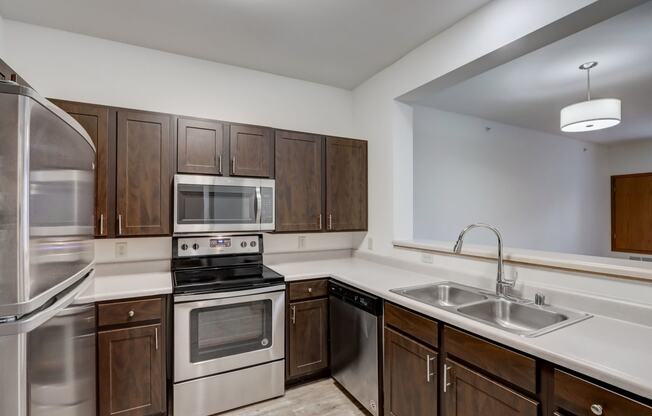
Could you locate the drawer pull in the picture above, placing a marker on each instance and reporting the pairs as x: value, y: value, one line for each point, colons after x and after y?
x: 596, y: 409
x: 309, y: 290
x: 131, y: 314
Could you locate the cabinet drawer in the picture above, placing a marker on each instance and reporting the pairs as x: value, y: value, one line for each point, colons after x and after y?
x: 572, y: 394
x: 127, y: 312
x: 415, y: 325
x: 508, y: 365
x: 308, y: 289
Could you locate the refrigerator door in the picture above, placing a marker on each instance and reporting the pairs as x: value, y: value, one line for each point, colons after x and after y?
x: 48, y: 359
x: 47, y: 176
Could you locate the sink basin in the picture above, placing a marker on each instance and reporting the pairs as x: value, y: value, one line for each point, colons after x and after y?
x: 445, y: 294
x: 519, y: 318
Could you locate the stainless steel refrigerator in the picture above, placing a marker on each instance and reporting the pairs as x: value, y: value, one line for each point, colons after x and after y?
x: 47, y: 337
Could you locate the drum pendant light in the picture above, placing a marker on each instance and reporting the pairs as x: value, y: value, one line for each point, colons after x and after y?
x: 590, y: 115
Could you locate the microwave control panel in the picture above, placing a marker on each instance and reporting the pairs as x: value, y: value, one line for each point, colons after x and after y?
x: 218, y: 245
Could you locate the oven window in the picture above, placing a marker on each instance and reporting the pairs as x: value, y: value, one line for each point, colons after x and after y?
x: 225, y: 330
x: 216, y: 204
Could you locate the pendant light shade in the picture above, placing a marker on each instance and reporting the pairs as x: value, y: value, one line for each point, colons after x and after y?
x: 590, y: 115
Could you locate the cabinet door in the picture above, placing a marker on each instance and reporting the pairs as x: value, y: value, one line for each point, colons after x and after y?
x: 143, y: 173
x: 410, y: 377
x: 468, y: 393
x: 251, y: 151
x: 308, y: 343
x: 298, y: 164
x: 95, y: 120
x: 346, y: 184
x: 200, y: 146
x: 131, y: 372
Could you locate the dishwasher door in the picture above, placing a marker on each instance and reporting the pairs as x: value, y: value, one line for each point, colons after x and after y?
x: 354, y: 352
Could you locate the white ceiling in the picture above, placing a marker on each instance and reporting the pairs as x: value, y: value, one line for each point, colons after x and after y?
x: 333, y: 42
x: 531, y: 90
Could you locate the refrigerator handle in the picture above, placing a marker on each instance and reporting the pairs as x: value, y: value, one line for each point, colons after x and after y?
x: 41, y: 316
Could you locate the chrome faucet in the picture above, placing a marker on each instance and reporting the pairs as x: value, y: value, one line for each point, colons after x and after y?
x: 503, y: 286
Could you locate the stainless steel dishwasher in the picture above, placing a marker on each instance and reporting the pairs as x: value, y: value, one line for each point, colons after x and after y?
x: 355, y: 336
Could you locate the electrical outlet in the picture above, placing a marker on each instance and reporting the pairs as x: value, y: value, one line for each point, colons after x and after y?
x: 427, y: 258
x: 370, y: 243
x: 302, y: 241
x: 121, y: 250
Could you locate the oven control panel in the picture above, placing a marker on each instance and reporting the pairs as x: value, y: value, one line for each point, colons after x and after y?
x: 214, y: 245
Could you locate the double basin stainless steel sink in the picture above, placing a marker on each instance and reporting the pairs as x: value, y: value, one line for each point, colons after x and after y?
x: 518, y: 316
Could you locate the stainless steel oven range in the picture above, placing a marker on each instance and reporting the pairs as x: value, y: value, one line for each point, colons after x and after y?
x: 229, y: 315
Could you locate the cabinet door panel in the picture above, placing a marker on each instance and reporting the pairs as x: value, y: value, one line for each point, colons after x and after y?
x: 308, y: 346
x: 410, y: 377
x: 143, y: 173
x: 298, y: 161
x: 469, y: 393
x: 131, y: 372
x: 95, y: 120
x: 200, y: 147
x: 346, y: 184
x: 251, y: 151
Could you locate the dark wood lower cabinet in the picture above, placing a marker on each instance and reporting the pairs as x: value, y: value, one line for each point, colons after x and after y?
x: 307, y: 338
x: 410, y: 377
x: 131, y: 371
x: 469, y: 393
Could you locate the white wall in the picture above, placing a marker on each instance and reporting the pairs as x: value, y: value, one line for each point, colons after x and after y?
x: 384, y: 121
x: 76, y: 67
x: 630, y: 157
x: 543, y: 191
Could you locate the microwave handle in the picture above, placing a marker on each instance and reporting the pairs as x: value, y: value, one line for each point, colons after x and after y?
x: 259, y: 205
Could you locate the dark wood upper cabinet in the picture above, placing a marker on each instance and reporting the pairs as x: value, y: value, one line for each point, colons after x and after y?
x: 299, y: 181
x: 251, y: 151
x: 308, y: 337
x: 468, y: 393
x: 410, y: 377
x: 631, y: 213
x: 143, y: 173
x: 131, y: 371
x: 95, y: 120
x: 346, y: 184
x: 200, y: 146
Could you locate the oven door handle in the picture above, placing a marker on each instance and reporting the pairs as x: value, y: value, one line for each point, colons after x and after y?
x: 259, y: 205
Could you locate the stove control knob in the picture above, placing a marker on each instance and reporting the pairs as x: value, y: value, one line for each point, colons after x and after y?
x: 195, y: 246
x: 243, y: 244
x: 252, y: 244
x: 184, y: 246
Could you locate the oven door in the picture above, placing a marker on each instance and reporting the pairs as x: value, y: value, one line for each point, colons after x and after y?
x: 219, y: 332
x: 218, y: 204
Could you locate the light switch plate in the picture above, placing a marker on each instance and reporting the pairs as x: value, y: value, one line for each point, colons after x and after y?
x: 121, y: 250
x: 302, y: 241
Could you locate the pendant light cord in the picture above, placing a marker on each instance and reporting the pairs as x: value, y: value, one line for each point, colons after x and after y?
x: 588, y: 84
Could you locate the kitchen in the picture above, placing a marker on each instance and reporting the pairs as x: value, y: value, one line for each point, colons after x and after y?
x: 235, y: 219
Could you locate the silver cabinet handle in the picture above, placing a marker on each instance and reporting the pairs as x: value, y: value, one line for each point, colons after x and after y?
x: 131, y: 314
x: 219, y: 165
x: 156, y: 338
x: 330, y: 221
x: 233, y: 165
x: 320, y: 221
x: 428, y: 373
x: 596, y: 409
x: 555, y: 413
x: 294, y: 314
x: 446, y: 383
x: 101, y: 224
x: 119, y: 224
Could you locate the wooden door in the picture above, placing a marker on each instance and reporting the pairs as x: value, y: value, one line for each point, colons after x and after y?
x: 410, y: 377
x: 346, y: 184
x: 299, y: 184
x: 631, y: 213
x: 95, y: 120
x: 251, y: 151
x: 130, y: 371
x: 200, y: 146
x: 308, y: 337
x: 468, y: 393
x: 143, y: 173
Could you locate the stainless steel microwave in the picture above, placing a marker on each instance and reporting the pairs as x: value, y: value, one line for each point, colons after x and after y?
x: 205, y: 204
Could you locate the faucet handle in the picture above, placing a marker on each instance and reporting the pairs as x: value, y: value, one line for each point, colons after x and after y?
x: 539, y: 299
